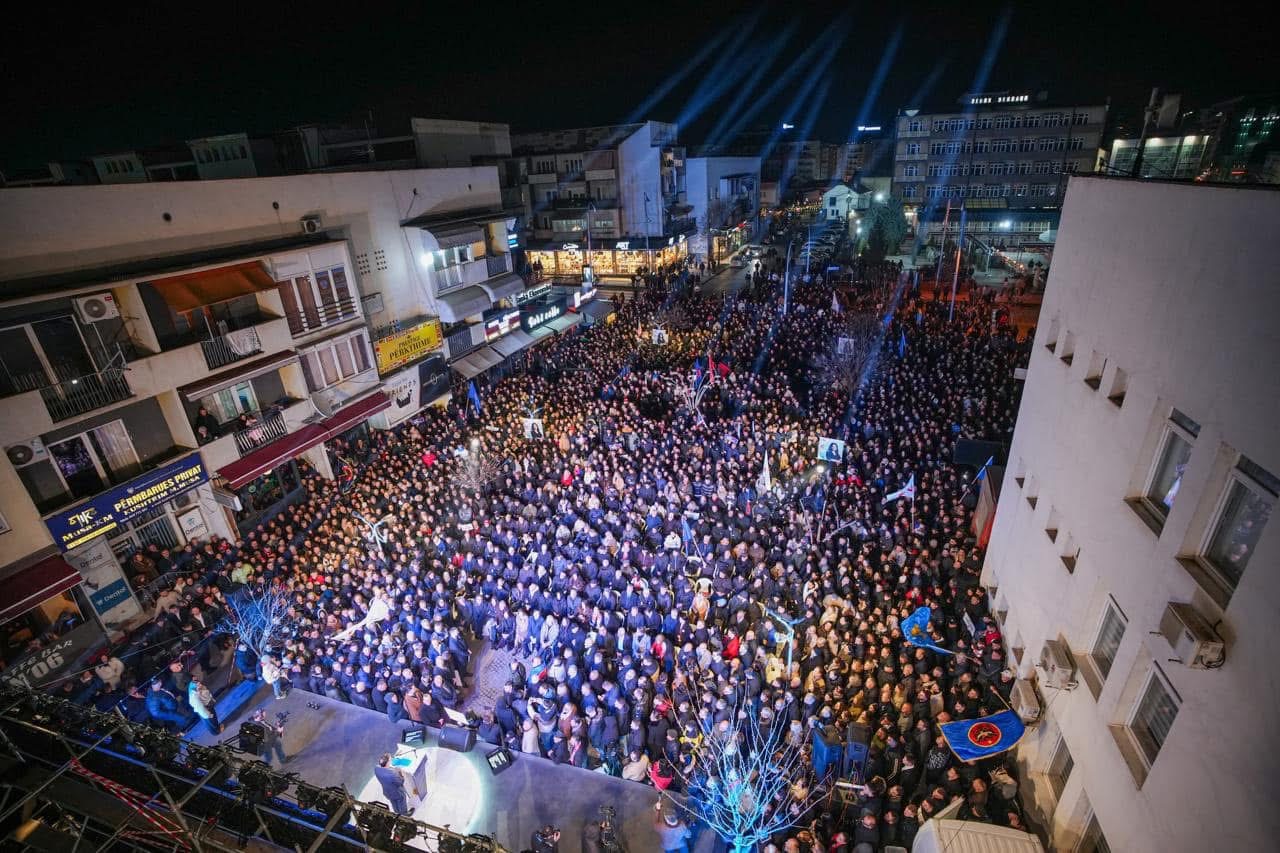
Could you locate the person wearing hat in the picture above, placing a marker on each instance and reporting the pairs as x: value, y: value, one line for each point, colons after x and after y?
x: 673, y: 833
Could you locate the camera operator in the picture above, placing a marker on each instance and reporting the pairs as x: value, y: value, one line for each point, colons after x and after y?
x: 273, y: 738
x: 546, y: 840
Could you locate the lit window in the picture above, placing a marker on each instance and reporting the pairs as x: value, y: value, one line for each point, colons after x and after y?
x: 1246, y: 506
x: 1171, y: 462
x: 1153, y: 716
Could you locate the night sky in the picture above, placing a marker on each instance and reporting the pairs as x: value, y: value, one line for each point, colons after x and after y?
x: 118, y: 77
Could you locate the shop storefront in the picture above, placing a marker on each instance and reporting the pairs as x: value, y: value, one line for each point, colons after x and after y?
x: 98, y: 534
x: 608, y: 257
x: 47, y: 629
x: 413, y: 389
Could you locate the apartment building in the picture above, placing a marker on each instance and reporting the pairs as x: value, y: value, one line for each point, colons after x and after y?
x: 615, y: 191
x: 724, y: 194
x: 1005, y: 156
x: 1133, y: 554
x: 176, y: 356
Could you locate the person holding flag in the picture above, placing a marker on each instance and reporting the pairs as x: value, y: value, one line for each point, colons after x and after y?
x: 908, y: 491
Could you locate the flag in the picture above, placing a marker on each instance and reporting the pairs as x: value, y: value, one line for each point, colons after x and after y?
x: 835, y: 303
x: 474, y: 396
x: 686, y: 532
x: 902, y: 345
x: 908, y: 491
x: 915, y: 630
x: 985, y: 465
x: 764, y: 482
x: 984, y: 737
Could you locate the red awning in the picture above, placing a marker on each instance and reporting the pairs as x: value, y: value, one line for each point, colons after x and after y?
x: 249, y: 468
x: 32, y: 585
x: 262, y: 460
x: 353, y: 413
x: 206, y: 287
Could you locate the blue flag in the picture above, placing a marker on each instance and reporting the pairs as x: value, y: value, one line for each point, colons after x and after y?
x: 474, y: 396
x: 686, y: 531
x: 971, y: 740
x: 985, y: 466
x: 915, y: 630
x: 902, y: 345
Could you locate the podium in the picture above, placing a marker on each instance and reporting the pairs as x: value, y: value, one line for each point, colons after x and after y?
x: 413, y: 763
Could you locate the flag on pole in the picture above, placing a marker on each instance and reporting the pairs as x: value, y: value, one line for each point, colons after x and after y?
x: 686, y: 532
x: 984, y: 737
x: 474, y: 396
x: 835, y: 303
x: 908, y: 491
x: 764, y: 482
x: 902, y: 344
x: 915, y: 630
x: 983, y: 471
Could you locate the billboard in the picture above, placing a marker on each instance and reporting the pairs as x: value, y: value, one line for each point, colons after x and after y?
x: 399, y: 349
x: 116, y: 506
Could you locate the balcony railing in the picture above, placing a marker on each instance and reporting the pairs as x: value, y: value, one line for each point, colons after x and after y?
x: 231, y: 347
x: 497, y: 264
x: 267, y: 429
x: 82, y: 394
x: 458, y: 344
x: 325, y: 314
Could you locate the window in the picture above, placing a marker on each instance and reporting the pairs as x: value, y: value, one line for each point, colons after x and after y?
x: 313, y: 301
x: 909, y: 192
x: 335, y: 361
x: 1153, y: 716
x: 1245, y: 509
x: 1171, y: 462
x: 1093, y: 841
x: 913, y: 148
x: 83, y: 465
x: 1060, y: 766
x: 911, y: 171
x: 1107, y: 643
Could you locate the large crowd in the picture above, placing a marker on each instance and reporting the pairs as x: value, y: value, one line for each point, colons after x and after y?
x: 636, y: 563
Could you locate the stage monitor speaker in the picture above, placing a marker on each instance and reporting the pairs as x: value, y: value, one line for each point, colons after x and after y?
x: 457, y: 738
x: 827, y: 752
x: 499, y: 759
x: 976, y: 453
x: 251, y: 737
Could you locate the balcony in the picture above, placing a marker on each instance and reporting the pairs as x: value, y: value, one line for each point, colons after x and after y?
x: 910, y: 133
x: 920, y: 155
x: 261, y: 431
x: 450, y: 278
x: 601, y: 174
x: 317, y: 317
x: 579, y: 202
x: 542, y: 177
x: 231, y: 347
x: 497, y: 264
x: 681, y: 225
x: 73, y: 397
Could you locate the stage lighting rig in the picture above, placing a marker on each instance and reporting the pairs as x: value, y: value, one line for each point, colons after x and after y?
x: 405, y: 830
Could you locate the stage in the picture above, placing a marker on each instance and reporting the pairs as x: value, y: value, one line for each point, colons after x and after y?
x: 339, y: 744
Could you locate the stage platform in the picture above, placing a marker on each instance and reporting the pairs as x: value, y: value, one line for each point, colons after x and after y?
x: 339, y: 744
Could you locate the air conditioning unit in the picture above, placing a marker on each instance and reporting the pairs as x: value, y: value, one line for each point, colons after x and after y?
x: 1024, y: 700
x: 1193, y: 639
x: 1058, y: 665
x: 311, y: 224
x: 100, y: 306
x: 26, y: 453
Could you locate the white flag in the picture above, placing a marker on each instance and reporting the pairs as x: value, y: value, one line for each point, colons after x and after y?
x: 835, y: 303
x: 765, y: 481
x: 908, y: 491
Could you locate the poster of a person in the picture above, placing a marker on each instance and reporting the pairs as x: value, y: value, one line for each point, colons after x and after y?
x: 830, y: 449
x: 534, y: 429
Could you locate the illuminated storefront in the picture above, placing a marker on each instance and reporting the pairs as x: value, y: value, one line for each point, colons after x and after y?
x: 608, y: 257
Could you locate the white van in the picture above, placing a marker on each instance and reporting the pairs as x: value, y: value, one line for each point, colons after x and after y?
x: 944, y: 835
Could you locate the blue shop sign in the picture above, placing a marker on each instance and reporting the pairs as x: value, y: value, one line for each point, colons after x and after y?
x: 114, y: 507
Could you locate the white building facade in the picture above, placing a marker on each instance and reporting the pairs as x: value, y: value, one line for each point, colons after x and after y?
x: 1134, y: 533
x: 202, y: 343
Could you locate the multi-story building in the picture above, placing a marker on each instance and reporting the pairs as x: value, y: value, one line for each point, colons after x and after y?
x: 1133, y: 554
x: 1163, y: 157
x: 176, y: 355
x: 1006, y: 156
x: 618, y: 188
x: 724, y: 193
x: 1244, y: 130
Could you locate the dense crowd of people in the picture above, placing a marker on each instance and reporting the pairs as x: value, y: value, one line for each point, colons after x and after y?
x: 639, y: 566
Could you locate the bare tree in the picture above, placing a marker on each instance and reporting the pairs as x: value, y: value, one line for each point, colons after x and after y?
x: 750, y: 781
x: 852, y: 354
x: 477, y: 469
x: 260, y: 617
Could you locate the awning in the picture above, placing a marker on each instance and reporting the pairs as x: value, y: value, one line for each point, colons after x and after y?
x: 191, y: 290
x: 456, y: 234
x: 248, y: 468
x: 32, y: 585
x: 240, y: 373
x: 488, y: 357
x: 564, y: 323
x: 262, y: 460
x: 510, y: 344
x: 503, y: 286
x: 469, y: 366
x: 542, y: 333
x: 458, y: 306
x: 353, y: 413
x: 597, y: 309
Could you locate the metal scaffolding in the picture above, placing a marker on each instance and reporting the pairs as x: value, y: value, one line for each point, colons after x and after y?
x: 178, y: 795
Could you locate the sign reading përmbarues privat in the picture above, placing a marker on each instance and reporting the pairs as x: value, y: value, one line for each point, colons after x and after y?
x: 116, y: 506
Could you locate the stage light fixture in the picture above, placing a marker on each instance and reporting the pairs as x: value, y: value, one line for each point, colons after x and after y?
x: 307, y: 796
x: 405, y: 830
x: 374, y: 818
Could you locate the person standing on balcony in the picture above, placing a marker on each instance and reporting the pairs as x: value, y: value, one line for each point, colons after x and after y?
x: 208, y: 422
